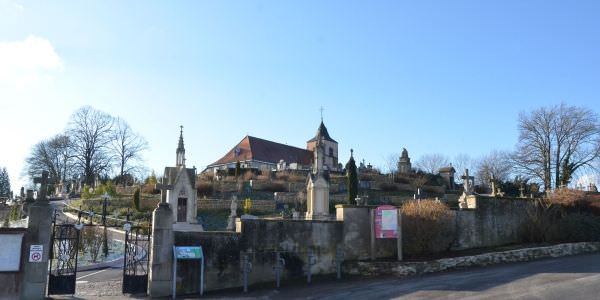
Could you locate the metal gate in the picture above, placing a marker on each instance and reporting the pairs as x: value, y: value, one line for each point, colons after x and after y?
x: 136, y: 259
x: 63, y: 255
x: 66, y: 245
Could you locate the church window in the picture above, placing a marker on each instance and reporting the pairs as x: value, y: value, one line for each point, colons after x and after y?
x: 331, y: 152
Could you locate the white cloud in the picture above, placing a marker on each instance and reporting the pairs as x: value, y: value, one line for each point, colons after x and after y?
x: 11, y: 6
x: 24, y: 62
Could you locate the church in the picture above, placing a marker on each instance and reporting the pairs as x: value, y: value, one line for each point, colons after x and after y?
x: 259, y: 154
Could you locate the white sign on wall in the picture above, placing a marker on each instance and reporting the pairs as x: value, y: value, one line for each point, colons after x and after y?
x: 10, y: 252
x: 36, y: 252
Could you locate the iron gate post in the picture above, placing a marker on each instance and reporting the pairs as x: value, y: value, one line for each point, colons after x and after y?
x: 310, y: 261
x: 246, y: 269
x: 279, y: 264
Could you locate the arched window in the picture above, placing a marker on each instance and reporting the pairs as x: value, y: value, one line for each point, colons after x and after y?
x: 330, y: 151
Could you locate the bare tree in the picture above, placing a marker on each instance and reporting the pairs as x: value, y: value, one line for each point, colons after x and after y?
x: 391, y: 163
x: 91, y: 131
x: 127, y: 147
x: 53, y: 155
x: 496, y: 164
x: 461, y: 162
x: 431, y: 163
x: 555, y: 142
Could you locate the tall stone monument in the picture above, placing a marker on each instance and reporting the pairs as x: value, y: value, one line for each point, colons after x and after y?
x: 404, y: 165
x: 467, y: 199
x: 317, y: 188
x: 161, y: 247
x: 39, y: 226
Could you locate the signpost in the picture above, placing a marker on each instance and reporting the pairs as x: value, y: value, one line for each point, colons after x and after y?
x: 386, y: 224
x: 187, y: 253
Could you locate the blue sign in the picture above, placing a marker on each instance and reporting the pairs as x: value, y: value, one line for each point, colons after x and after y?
x: 189, y: 252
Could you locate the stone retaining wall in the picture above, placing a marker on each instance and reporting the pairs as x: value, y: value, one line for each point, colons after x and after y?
x: 219, y: 204
x: 402, y: 269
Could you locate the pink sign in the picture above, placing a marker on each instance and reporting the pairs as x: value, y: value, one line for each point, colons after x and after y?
x: 386, y: 222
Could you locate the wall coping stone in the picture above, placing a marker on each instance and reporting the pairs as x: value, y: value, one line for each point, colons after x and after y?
x: 404, y: 269
x: 292, y: 220
x: 360, y: 206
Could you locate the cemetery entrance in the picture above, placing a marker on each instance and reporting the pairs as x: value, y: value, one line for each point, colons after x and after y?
x: 73, y: 242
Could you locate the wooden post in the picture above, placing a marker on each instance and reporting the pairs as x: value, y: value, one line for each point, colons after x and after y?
x: 372, y: 213
x: 399, y: 235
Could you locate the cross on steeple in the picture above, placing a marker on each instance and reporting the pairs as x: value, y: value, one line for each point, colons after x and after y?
x: 322, y: 109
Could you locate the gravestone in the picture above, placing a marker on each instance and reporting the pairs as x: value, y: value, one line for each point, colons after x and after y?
x: 233, y: 214
x: 467, y: 199
x: 522, y: 191
x: 467, y: 183
x: 493, y: 185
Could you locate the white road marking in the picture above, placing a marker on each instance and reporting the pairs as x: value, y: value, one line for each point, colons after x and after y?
x: 80, y: 282
x: 84, y: 276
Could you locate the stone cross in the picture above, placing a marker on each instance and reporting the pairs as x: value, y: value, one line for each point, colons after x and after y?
x: 493, y: 184
x: 43, y: 181
x: 233, y: 206
x: 467, y: 182
x: 163, y: 187
x: 521, y: 190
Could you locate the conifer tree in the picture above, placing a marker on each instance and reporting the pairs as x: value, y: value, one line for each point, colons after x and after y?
x: 4, y: 183
x: 351, y: 178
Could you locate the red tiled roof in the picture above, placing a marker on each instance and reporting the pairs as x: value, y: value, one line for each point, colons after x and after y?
x: 253, y: 148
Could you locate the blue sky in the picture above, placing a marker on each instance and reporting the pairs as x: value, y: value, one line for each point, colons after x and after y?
x: 432, y: 76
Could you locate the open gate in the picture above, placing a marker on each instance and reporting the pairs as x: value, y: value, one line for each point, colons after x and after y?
x: 63, y: 264
x: 65, y: 248
x: 136, y: 259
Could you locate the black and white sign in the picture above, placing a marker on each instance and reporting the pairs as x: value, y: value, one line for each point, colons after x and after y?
x: 35, y: 253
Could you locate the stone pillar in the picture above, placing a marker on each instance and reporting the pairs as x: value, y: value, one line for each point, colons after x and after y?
x: 161, y: 256
x: 35, y: 275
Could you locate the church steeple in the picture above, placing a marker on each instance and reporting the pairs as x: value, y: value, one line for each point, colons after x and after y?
x: 180, y: 150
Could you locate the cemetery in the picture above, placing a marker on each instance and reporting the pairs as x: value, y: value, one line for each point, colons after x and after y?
x: 188, y: 233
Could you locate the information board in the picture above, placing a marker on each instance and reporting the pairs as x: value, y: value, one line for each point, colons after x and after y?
x: 10, y: 252
x: 188, y: 252
x: 386, y: 222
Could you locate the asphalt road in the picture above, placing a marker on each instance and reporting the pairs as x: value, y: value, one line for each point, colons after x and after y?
x: 107, y: 274
x: 576, y: 277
